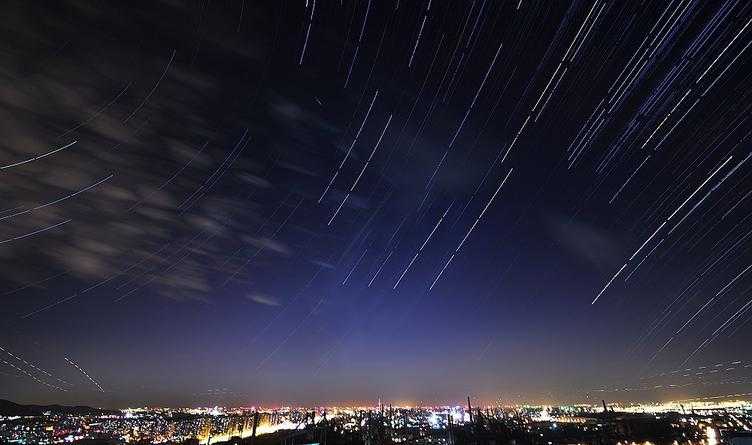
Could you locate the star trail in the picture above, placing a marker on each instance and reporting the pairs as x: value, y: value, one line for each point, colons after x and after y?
x: 307, y: 201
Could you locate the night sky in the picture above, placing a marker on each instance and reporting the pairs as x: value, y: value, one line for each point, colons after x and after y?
x: 240, y: 202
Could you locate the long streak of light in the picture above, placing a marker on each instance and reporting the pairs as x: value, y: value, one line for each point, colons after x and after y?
x: 156, y: 85
x: 307, y: 34
x: 174, y: 175
x: 663, y: 224
x: 97, y: 113
x: 697, y: 313
x: 32, y: 365
x: 645, y: 258
x: 36, y: 283
x: 357, y: 263
x: 485, y: 209
x: 467, y: 113
x: 35, y: 232
x: 23, y: 212
x: 362, y: 170
x: 290, y: 334
x: 724, y: 51
x: 417, y: 253
x: 378, y: 272
x: 475, y: 223
x: 26, y: 161
x: 628, y: 179
x: 349, y: 150
x: 74, y: 364
x: 715, y: 187
x: 31, y: 376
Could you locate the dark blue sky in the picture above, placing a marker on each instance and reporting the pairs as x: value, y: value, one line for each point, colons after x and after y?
x: 313, y: 202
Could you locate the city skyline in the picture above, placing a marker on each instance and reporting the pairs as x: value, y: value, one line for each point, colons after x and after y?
x: 706, y: 423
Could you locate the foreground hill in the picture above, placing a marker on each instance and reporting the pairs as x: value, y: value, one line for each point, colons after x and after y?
x: 8, y: 408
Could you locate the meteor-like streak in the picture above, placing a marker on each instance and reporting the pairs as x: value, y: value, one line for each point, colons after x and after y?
x: 16, y: 238
x: 156, y: 85
x: 665, y: 118
x: 108, y: 279
x: 417, y: 39
x: 357, y: 263
x: 307, y: 34
x: 172, y: 178
x: 262, y: 248
x: 417, y: 253
x: 290, y: 334
x: 718, y: 77
x: 357, y: 46
x: 26, y: 161
x: 704, y: 73
x: 485, y: 209
x: 378, y: 272
x: 715, y: 187
x: 36, y: 283
x: 697, y: 313
x: 97, y: 113
x: 663, y: 319
x: 477, y: 220
x: 74, y: 364
x: 464, y: 118
x: 213, y: 178
x: 720, y: 329
x: 71, y: 195
x: 565, y: 59
x: 292, y: 301
x: 628, y: 179
x: 645, y: 258
x: 746, y: 195
x: 33, y: 366
x: 699, y: 370
x: 362, y: 170
x: 663, y: 224
x: 349, y: 150
x: 31, y: 376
